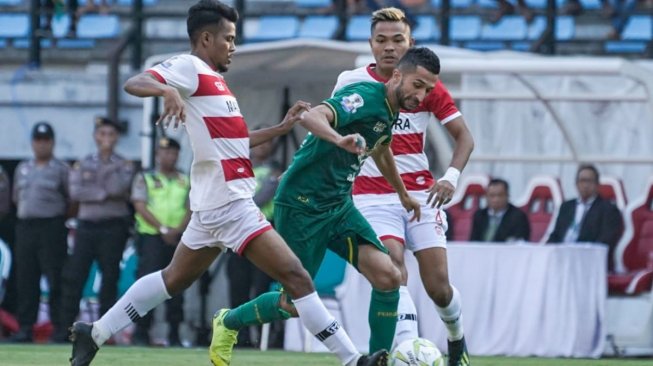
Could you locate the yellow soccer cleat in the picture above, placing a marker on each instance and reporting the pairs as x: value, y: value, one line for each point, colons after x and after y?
x: 222, y: 341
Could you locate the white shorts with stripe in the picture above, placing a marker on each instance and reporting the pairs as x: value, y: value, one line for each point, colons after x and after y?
x: 231, y: 226
x: 393, y: 222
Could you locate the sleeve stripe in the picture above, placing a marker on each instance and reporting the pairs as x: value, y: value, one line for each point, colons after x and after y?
x: 335, y: 114
x: 157, y: 76
x: 451, y: 118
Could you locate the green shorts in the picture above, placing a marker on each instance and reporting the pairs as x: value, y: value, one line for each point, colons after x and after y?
x: 309, y: 234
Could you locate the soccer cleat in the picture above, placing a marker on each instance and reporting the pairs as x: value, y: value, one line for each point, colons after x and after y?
x: 222, y: 341
x: 84, y: 347
x: 458, y: 355
x: 378, y: 358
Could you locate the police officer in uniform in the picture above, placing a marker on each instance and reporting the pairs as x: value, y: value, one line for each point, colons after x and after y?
x: 160, y: 198
x: 101, y: 184
x: 41, y: 196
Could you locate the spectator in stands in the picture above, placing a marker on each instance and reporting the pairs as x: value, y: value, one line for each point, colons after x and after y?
x: 245, y: 280
x: 52, y: 7
x: 41, y: 196
x: 92, y: 6
x: 101, y: 184
x: 588, y: 218
x: 160, y: 198
x: 500, y: 221
x: 5, y: 194
x: 507, y: 8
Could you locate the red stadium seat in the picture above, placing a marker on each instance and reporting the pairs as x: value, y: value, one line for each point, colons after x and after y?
x: 612, y: 189
x: 634, y: 253
x: 469, y: 197
x: 541, y: 201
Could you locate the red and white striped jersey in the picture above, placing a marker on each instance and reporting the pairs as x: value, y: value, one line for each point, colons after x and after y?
x: 408, y: 138
x: 221, y: 171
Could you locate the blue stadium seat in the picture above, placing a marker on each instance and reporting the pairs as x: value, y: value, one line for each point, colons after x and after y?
x: 508, y: 28
x: 98, y: 26
x: 638, y: 28
x: 321, y: 27
x: 75, y: 43
x: 591, y: 4
x: 358, y: 28
x: 485, y: 46
x: 271, y: 28
x: 60, y: 26
x: 25, y: 43
x: 536, y: 28
x: 625, y: 47
x: 541, y: 4
x: 313, y: 3
x: 10, y: 2
x: 565, y: 28
x: 488, y: 4
x: 3, y: 43
x: 130, y: 2
x: 454, y: 3
x: 14, y: 25
x: 426, y: 29
x: 465, y: 28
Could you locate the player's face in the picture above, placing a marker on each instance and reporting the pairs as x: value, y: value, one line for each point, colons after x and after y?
x: 42, y: 148
x: 414, y: 87
x: 389, y: 42
x: 106, y: 138
x: 168, y: 158
x: 587, y: 184
x: 497, y: 197
x: 222, y: 45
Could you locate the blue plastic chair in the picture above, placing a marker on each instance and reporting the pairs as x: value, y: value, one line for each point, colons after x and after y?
x: 638, y: 28
x: 273, y: 27
x: 26, y: 42
x: 465, y: 28
x: 454, y: 3
x: 312, y: 3
x: 565, y: 28
x: 14, y: 25
x: 320, y: 27
x: 98, y: 26
x: 426, y: 29
x: 10, y: 2
x: 358, y: 28
x: 508, y: 28
x: 130, y: 2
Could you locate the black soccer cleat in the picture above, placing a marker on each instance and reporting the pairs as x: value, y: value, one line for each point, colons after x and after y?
x: 84, y: 347
x: 378, y: 358
x: 458, y: 355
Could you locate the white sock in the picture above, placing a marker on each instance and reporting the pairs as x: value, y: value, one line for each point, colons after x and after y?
x: 146, y: 293
x: 323, y: 325
x: 452, y: 316
x: 407, y: 322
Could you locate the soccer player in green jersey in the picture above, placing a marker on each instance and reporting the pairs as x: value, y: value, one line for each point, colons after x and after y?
x: 314, y: 209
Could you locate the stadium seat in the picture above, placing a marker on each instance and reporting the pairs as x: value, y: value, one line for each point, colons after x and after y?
x: 25, y: 43
x: 10, y: 2
x: 358, y: 28
x: 130, y: 2
x: 565, y: 28
x: 634, y: 253
x: 320, y: 27
x: 454, y: 3
x: 612, y: 189
x: 14, y: 25
x: 591, y: 4
x: 313, y: 3
x: 469, y: 197
x: 95, y: 26
x: 3, y: 43
x: 465, y: 28
x: 271, y: 28
x: 635, y: 35
x: 542, y: 198
x: 485, y: 46
x: 508, y: 28
x: 426, y: 29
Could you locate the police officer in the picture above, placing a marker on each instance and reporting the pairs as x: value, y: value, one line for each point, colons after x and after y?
x: 160, y: 198
x: 101, y: 184
x: 41, y: 196
x: 5, y: 194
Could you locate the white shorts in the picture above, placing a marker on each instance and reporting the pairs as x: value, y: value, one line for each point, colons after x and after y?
x: 393, y: 222
x: 230, y: 226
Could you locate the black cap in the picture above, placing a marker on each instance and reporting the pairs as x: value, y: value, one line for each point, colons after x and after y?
x: 168, y: 143
x: 104, y: 121
x: 42, y: 130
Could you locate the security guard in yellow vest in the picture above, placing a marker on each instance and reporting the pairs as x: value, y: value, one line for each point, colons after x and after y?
x: 160, y: 198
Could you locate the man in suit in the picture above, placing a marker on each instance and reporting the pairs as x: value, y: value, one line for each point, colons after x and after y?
x: 500, y: 221
x: 588, y: 218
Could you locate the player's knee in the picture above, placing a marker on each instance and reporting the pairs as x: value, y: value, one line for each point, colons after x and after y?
x: 387, y: 278
x: 296, y: 281
x: 440, y: 293
x: 175, y: 281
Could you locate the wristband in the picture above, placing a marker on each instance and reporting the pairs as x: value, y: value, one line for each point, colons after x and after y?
x: 164, y: 230
x: 451, y: 175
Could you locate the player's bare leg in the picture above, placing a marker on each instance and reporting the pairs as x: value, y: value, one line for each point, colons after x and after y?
x: 186, y: 266
x: 435, y: 277
x: 385, y: 279
x: 271, y: 254
x: 407, y: 312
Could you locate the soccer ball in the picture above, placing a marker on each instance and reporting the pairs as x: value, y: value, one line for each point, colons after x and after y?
x: 416, y: 352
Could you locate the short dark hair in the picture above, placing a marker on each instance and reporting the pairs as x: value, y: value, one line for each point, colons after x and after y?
x: 586, y: 166
x: 419, y: 56
x: 206, y: 13
x: 497, y: 181
x: 389, y: 14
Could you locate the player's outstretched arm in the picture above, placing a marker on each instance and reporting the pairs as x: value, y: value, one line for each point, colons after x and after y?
x: 145, y: 85
x: 385, y: 161
x: 442, y: 191
x: 293, y: 116
x: 318, y: 121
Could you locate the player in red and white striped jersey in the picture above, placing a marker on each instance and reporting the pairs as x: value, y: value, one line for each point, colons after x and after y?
x: 224, y: 213
x: 380, y: 205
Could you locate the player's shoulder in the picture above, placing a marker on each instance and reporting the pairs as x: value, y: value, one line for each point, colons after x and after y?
x: 354, y: 74
x: 365, y: 87
x: 183, y: 60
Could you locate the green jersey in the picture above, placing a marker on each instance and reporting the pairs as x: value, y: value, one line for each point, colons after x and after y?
x: 321, y: 174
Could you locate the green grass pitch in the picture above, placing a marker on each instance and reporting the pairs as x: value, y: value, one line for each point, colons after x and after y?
x: 22, y: 355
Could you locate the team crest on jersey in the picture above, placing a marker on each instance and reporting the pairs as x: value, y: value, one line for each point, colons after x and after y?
x: 220, y: 85
x: 351, y: 103
x: 379, y: 127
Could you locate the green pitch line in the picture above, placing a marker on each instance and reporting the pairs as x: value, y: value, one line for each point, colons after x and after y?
x: 39, y: 355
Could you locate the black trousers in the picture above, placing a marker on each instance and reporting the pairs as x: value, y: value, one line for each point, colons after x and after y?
x: 153, y: 255
x: 41, y: 246
x: 103, y: 241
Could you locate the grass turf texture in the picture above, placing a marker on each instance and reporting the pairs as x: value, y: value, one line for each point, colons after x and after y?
x: 21, y: 355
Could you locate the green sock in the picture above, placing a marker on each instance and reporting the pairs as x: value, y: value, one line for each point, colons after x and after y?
x: 383, y: 319
x: 261, y: 310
